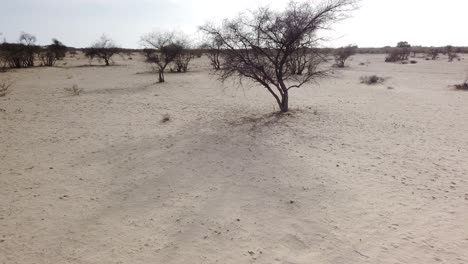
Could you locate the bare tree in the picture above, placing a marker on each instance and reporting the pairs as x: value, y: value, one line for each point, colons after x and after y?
x: 451, y: 53
x: 260, y: 45
x: 342, y: 54
x: 433, y: 53
x: 103, y: 49
x: 212, y: 48
x: 161, y: 49
x: 30, y: 49
x: 185, y: 55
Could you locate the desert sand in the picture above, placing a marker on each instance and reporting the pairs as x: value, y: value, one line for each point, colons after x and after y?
x: 354, y: 174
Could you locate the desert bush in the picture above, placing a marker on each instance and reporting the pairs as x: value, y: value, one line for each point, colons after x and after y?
x: 433, y: 53
x: 166, y: 118
x: 259, y: 45
x: 50, y: 54
x: 213, y: 50
x: 5, y: 84
x: 413, y: 61
x: 462, y: 86
x: 185, y: 55
x: 342, y: 54
x: 103, y: 49
x: 161, y: 49
x: 451, y: 53
x: 19, y: 55
x: 372, y: 79
x: 29, y: 49
x: 400, y: 53
x: 74, y: 90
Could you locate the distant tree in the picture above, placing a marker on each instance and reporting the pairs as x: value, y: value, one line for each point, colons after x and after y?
x: 51, y: 53
x: 433, y: 53
x: 400, y: 53
x: 213, y: 50
x: 29, y: 49
x: 161, y: 49
x: 185, y: 55
x: 342, y: 54
x: 103, y: 49
x: 451, y: 53
x: 261, y: 45
x: 405, y: 49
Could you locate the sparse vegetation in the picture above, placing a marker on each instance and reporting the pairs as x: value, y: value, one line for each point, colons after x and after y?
x: 451, y: 53
x: 462, y: 86
x: 213, y: 50
x: 161, y: 49
x: 372, y: 79
x: 260, y: 45
x: 433, y: 53
x: 103, y: 49
x: 5, y: 84
x: 166, y: 118
x: 74, y: 90
x: 342, y: 54
x: 50, y: 54
x: 400, y: 53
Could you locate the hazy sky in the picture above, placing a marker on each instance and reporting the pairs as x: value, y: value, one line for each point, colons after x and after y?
x: 79, y: 22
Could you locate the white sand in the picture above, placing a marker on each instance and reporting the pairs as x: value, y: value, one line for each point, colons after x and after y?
x: 356, y: 174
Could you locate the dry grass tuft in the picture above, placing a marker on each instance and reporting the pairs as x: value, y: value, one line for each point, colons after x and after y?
x: 4, y: 86
x: 166, y: 118
x: 74, y: 90
x: 372, y: 79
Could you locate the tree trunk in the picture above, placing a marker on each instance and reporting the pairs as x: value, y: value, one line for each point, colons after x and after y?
x: 284, y: 106
x: 161, y: 76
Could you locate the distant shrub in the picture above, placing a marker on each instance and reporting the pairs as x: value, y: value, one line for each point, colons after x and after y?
x: 462, y: 86
x: 372, y: 79
x: 433, y: 53
x: 451, y: 53
x: 413, y: 61
x: 342, y: 54
x: 50, y: 54
x: 103, y: 49
x: 400, y: 53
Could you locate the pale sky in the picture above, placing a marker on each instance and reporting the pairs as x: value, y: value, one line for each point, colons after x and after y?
x: 78, y: 23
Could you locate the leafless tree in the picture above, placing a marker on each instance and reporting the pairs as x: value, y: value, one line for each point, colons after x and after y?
x: 260, y: 45
x: 185, y: 55
x: 433, y: 53
x: 161, y: 49
x: 451, y: 53
x: 212, y: 48
x: 342, y: 54
x: 103, y: 49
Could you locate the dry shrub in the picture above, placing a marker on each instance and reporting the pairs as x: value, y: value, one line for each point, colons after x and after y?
x: 4, y: 86
x: 462, y: 86
x: 372, y: 79
x: 74, y: 90
x: 413, y: 61
x: 166, y: 118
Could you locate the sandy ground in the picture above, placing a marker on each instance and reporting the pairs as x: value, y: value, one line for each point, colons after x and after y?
x: 355, y: 174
